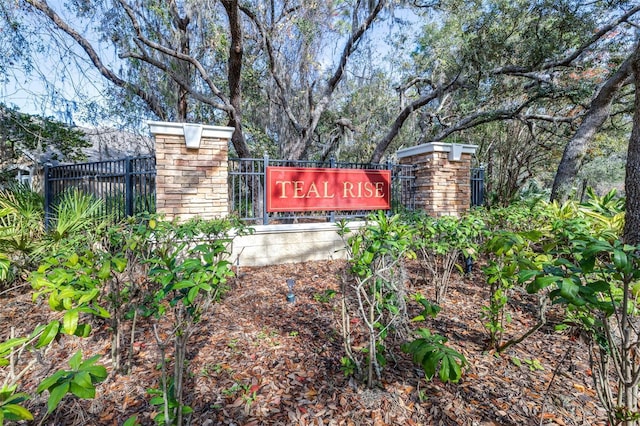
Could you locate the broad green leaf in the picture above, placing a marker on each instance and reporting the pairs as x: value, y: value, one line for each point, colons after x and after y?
x: 83, y: 330
x: 70, y: 321
x: 48, y: 334
x: 156, y: 400
x: 541, y: 282
x: 50, y: 381
x: 105, y: 271
x: 73, y: 259
x: 182, y: 284
x: 54, y: 302
x: 444, y: 370
x: 527, y: 274
x: 83, y: 379
x: 75, y: 360
x: 14, y: 412
x: 191, y: 296
x: 620, y: 260
x: 55, y: 396
x: 98, y: 372
x: 587, y: 264
x: 6, y: 391
x: 569, y: 290
x: 120, y: 263
x: 7, y: 345
x: 88, y: 296
x: 131, y: 421
x: 82, y: 392
x: 89, y: 362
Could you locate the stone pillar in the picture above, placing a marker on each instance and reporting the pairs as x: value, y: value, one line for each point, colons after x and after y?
x: 443, y: 176
x: 191, y: 170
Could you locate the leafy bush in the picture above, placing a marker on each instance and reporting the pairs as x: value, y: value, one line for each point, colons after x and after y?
x: 440, y: 242
x: 579, y: 260
x: 80, y: 380
x: 189, y: 266
x: 430, y: 351
x: 373, y: 293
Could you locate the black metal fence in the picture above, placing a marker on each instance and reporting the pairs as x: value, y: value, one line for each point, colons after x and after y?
x: 477, y: 187
x: 127, y: 186
x: 247, y: 190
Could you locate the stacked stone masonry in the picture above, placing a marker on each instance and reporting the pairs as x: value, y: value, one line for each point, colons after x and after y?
x: 191, y: 182
x: 442, y: 186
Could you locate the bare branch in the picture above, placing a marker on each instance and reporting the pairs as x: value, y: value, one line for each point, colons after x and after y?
x: 152, y: 102
x: 273, y: 67
x: 384, y: 143
x: 178, y: 55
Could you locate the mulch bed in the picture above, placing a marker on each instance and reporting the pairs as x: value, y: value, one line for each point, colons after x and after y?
x: 259, y: 360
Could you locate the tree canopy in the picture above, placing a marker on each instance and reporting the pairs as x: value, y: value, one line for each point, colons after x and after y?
x: 32, y: 141
x: 530, y: 82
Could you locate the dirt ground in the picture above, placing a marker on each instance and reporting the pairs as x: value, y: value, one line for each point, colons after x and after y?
x: 259, y: 360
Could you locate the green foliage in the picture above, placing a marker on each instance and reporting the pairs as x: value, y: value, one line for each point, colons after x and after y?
x: 21, y: 228
x: 24, y: 136
x: 78, y: 215
x: 10, y: 408
x: 430, y: 351
x: 501, y: 277
x: 188, y: 271
x: 72, y: 285
x: 166, y: 404
x: 188, y: 263
x: 441, y: 241
x: 579, y: 260
x: 373, y: 295
x: 429, y: 309
x: 80, y: 380
x: 325, y: 296
x: 432, y: 354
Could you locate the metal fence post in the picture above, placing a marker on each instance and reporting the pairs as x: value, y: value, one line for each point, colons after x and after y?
x: 265, y: 214
x: 332, y: 215
x: 47, y: 198
x: 390, y: 167
x: 128, y: 184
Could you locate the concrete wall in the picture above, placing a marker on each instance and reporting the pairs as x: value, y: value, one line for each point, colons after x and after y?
x: 277, y: 244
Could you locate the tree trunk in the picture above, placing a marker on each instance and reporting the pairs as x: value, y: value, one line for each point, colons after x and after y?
x: 236, y: 51
x: 632, y: 178
x: 596, y: 115
x: 182, y: 23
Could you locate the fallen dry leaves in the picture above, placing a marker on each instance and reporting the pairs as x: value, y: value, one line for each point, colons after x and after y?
x: 259, y: 360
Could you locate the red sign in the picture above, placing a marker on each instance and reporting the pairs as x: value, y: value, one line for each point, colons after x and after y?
x: 312, y: 189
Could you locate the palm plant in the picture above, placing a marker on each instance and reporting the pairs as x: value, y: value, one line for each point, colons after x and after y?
x: 78, y: 216
x: 21, y: 228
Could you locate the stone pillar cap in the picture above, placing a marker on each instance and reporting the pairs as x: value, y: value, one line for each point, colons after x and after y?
x: 178, y: 129
x: 455, y: 150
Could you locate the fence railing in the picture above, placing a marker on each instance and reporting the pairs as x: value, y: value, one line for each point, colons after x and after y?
x: 127, y: 186
x: 477, y: 187
x: 247, y: 190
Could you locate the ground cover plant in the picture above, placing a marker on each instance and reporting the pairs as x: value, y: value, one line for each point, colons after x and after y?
x: 144, y: 323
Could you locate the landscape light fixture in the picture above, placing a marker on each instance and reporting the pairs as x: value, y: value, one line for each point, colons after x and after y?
x: 192, y: 135
x: 291, y: 298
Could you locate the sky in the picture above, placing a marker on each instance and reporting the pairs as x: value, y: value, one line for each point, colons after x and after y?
x: 56, y: 85
x: 59, y: 88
